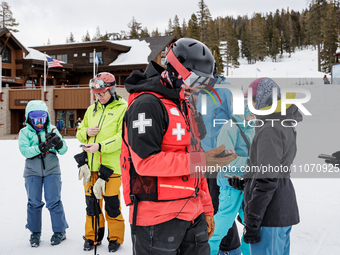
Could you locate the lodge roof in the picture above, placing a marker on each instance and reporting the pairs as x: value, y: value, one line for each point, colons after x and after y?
x: 82, y: 45
x: 157, y: 44
x: 12, y: 40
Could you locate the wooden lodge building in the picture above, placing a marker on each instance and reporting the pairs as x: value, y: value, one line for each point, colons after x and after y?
x: 67, y: 94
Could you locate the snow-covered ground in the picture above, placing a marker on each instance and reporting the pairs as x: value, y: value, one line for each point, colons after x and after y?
x: 302, y: 63
x: 318, y: 197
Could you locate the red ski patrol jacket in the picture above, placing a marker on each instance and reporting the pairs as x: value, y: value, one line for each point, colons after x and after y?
x: 156, y: 156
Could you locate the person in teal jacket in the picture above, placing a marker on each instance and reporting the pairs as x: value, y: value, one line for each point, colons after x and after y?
x: 230, y: 199
x: 39, y: 143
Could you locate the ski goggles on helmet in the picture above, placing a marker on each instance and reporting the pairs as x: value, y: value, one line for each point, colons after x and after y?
x: 102, y: 93
x: 190, y: 78
x: 99, y: 86
x: 38, y: 117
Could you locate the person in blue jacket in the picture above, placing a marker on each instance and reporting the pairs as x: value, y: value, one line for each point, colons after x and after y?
x: 214, y: 111
x: 236, y: 136
x: 40, y: 142
x: 222, y: 112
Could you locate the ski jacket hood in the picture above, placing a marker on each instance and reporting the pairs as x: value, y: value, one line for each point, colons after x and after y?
x: 36, y: 105
x: 150, y: 81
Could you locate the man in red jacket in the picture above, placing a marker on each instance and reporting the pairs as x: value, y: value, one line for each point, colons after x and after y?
x: 171, y: 210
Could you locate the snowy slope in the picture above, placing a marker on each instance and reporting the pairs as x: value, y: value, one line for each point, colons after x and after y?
x: 302, y: 63
x: 318, y: 198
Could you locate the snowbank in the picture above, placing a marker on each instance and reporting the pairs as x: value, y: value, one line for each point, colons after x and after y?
x: 138, y: 54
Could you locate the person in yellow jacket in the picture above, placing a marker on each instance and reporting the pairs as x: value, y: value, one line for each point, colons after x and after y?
x: 101, y: 132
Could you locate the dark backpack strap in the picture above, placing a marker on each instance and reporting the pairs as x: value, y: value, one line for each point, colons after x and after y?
x: 134, y: 214
x: 42, y: 154
x: 243, y: 135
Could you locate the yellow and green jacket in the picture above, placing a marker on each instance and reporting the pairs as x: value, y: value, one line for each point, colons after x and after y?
x: 109, y: 119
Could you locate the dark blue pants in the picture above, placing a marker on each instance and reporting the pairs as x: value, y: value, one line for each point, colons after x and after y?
x: 52, y: 189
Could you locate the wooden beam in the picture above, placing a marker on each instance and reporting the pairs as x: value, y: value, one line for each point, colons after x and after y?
x: 8, y: 35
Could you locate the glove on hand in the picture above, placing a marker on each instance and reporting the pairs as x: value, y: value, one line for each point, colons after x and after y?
x: 55, y: 141
x: 251, y: 236
x: 44, y: 147
x: 236, y: 183
x: 334, y: 161
x: 210, y: 225
x: 50, y: 135
x: 59, y: 145
x: 212, y: 160
x: 85, y: 174
x: 99, y: 188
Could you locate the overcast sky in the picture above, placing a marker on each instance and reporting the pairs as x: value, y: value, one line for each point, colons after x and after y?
x: 40, y: 21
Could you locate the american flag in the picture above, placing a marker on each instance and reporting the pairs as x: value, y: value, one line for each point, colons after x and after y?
x: 53, y: 62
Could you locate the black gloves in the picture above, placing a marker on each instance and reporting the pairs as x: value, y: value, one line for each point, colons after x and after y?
x: 236, y: 182
x: 334, y: 161
x: 44, y: 147
x: 104, y: 172
x: 251, y: 236
x: 52, y: 140
x: 81, y: 158
x: 50, y: 135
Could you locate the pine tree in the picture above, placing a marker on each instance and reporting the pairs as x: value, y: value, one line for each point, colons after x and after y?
x: 279, y: 26
x: 247, y: 38
x: 184, y: 28
x: 86, y: 38
x: 289, y: 35
x: 296, y: 27
x: 303, y: 29
x: 144, y: 32
x: 315, y: 21
x: 6, y: 18
x: 337, y: 15
x: 177, y: 28
x: 193, y: 28
x: 215, y: 50
x: 219, y: 28
x: 230, y: 47
x: 155, y: 32
x: 204, y: 18
x: 330, y: 39
x: 135, y: 28
x: 210, y: 38
x: 97, y: 35
x: 258, y: 44
x: 104, y: 37
x: 170, y: 29
x: 243, y: 38
x: 269, y: 26
x: 71, y: 38
x: 274, y: 44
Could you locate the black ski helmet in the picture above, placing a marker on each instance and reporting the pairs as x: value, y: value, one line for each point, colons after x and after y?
x: 193, y: 55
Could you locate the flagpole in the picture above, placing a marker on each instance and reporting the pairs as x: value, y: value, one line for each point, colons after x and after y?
x: 94, y: 63
x: 45, y: 74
